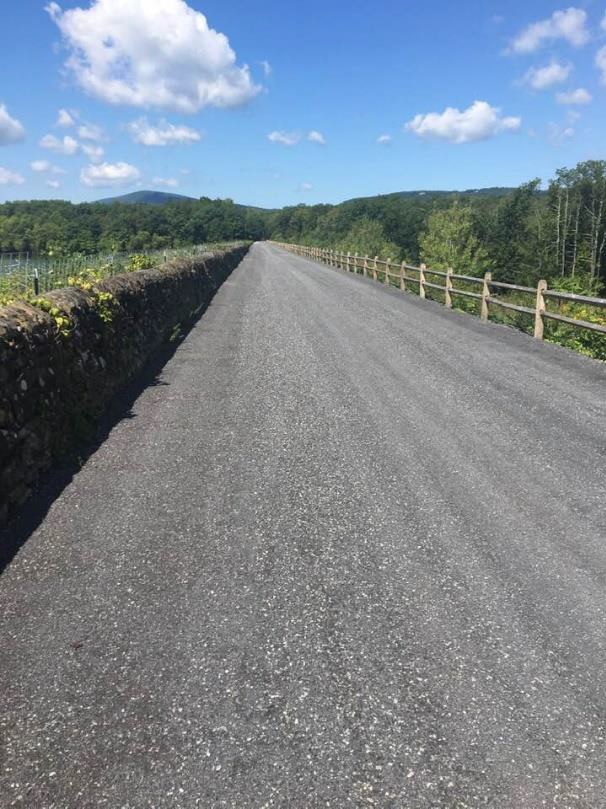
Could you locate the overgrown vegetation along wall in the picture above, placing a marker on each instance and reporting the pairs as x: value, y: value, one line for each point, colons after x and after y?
x: 63, y: 359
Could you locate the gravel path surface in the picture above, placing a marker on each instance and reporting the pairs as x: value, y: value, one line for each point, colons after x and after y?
x: 349, y: 550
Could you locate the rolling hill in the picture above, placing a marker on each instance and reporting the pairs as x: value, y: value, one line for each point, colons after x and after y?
x: 146, y: 198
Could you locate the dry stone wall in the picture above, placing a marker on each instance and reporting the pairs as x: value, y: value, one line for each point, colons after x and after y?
x: 59, y: 368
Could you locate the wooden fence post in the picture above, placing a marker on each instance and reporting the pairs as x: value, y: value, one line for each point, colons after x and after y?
x: 387, y: 268
x: 485, y: 296
x: 422, y: 269
x: 365, y: 267
x: 447, y: 295
x: 348, y: 261
x: 539, y: 323
x: 375, y: 268
x: 355, y: 266
x: 403, y: 277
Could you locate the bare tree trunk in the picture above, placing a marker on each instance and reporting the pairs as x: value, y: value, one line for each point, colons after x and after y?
x: 600, y: 253
x: 558, y: 223
x: 596, y: 227
x: 592, y: 233
x: 539, y: 238
x: 575, y: 246
x: 600, y: 243
x: 564, y: 237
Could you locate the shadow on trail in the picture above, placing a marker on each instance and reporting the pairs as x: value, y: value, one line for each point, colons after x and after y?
x: 59, y: 476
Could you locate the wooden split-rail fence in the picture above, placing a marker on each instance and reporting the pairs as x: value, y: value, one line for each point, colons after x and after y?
x: 388, y: 271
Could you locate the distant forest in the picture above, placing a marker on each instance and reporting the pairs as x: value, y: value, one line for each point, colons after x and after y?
x: 521, y: 235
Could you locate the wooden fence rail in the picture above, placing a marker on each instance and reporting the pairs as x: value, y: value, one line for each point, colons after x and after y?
x: 401, y: 274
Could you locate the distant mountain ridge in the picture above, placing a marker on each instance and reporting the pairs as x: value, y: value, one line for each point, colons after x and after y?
x: 164, y: 197
x: 494, y: 191
x: 146, y: 198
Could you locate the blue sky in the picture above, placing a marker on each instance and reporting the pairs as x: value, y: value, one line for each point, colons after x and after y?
x: 272, y: 104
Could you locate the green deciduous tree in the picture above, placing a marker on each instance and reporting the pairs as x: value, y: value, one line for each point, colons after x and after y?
x: 450, y: 241
x: 367, y: 238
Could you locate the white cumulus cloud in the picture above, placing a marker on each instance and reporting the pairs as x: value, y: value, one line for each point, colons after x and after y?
x: 40, y: 165
x: 66, y: 118
x: 162, y: 134
x: 8, y: 177
x: 67, y: 145
x: 306, y: 187
x: 91, y: 132
x: 578, y: 96
x: 93, y: 151
x: 286, y: 138
x: 600, y: 60
x: 167, y: 182
x: 293, y: 138
x: 569, y: 25
x: 384, y: 139
x: 267, y: 68
x: 11, y: 130
x: 53, y: 184
x: 478, y: 122
x: 316, y: 137
x: 160, y: 54
x: 540, y: 78
x: 559, y: 134
x: 109, y: 175
x: 45, y: 167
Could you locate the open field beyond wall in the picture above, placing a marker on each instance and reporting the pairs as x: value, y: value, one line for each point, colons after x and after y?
x: 22, y: 276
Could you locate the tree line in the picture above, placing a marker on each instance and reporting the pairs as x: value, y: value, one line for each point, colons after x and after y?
x: 520, y: 235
